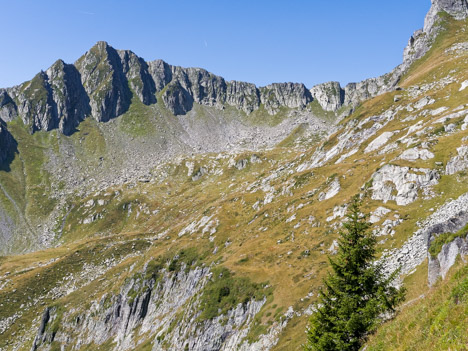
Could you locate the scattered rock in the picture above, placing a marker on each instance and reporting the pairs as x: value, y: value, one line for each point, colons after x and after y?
x: 378, y: 142
x: 414, y: 154
x: 458, y: 163
x: 333, y: 189
x: 463, y: 85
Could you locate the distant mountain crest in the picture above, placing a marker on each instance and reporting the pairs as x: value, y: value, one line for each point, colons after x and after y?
x: 102, y: 82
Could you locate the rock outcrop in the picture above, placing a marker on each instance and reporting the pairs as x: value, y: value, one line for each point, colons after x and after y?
x: 102, y: 84
x: 165, y: 308
x: 449, y: 218
x: 70, y: 102
x: 402, y: 184
x: 440, y: 265
x: 52, y: 99
x: 421, y: 41
x: 104, y: 80
x: 285, y: 94
x: 8, y: 109
x: 7, y: 146
x: 458, y: 163
x: 329, y: 95
x: 455, y: 8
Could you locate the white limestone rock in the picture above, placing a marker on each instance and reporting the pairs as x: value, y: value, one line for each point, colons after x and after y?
x: 333, y: 189
x: 377, y: 215
x: 338, y: 212
x: 459, y: 162
x: 402, y: 184
x: 378, y: 142
x: 333, y: 249
x: 451, y: 217
x: 329, y: 95
x: 414, y: 154
x: 463, y: 85
x: 387, y: 227
x: 425, y: 101
x: 440, y: 265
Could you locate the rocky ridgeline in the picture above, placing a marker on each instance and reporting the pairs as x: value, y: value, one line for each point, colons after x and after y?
x: 421, y: 41
x: 102, y: 82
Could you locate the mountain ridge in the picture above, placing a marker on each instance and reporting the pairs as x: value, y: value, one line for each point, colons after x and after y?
x: 100, y: 83
x: 249, y: 202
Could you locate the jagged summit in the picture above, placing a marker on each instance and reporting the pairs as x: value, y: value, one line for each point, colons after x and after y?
x: 455, y: 8
x: 102, y: 82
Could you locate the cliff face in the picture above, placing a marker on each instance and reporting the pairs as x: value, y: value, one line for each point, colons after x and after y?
x: 7, y: 144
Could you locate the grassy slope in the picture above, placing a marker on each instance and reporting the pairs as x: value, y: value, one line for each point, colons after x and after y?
x: 264, y: 246
x: 436, y: 321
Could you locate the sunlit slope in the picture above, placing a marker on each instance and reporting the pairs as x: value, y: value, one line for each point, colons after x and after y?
x: 270, y: 218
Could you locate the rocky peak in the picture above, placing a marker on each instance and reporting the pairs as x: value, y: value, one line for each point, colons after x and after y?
x: 70, y: 104
x: 329, y: 95
x: 421, y: 41
x: 139, y: 79
x: 455, y: 8
x: 292, y: 95
x: 161, y: 72
x: 36, y: 105
x: 105, y: 82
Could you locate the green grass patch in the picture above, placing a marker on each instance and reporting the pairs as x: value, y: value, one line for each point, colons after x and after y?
x: 435, y: 322
x: 446, y: 238
x: 225, y: 291
x: 137, y: 121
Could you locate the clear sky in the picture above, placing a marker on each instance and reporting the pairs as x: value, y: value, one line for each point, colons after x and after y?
x: 259, y: 41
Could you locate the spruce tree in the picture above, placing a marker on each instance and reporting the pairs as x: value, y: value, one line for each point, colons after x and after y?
x: 356, y: 294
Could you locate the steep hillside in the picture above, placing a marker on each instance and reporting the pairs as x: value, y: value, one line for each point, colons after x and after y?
x: 177, y: 211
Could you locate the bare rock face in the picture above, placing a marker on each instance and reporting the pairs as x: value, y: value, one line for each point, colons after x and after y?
x: 445, y: 259
x: 440, y: 265
x: 421, y: 41
x: 290, y: 95
x: 404, y: 181
x: 138, y: 76
x: 204, y: 88
x: 161, y: 73
x: 459, y: 162
x: 70, y: 102
x: 36, y: 104
x: 355, y: 93
x: 104, y: 80
x: 52, y: 99
x: 8, y: 109
x: 7, y: 144
x: 329, y: 95
x: 151, y: 307
x: 455, y: 8
x: 244, y: 96
x: 177, y: 99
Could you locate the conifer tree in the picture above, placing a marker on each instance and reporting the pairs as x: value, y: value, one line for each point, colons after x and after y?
x: 356, y: 294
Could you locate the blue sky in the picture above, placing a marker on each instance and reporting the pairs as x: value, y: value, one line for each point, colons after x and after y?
x: 259, y: 41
